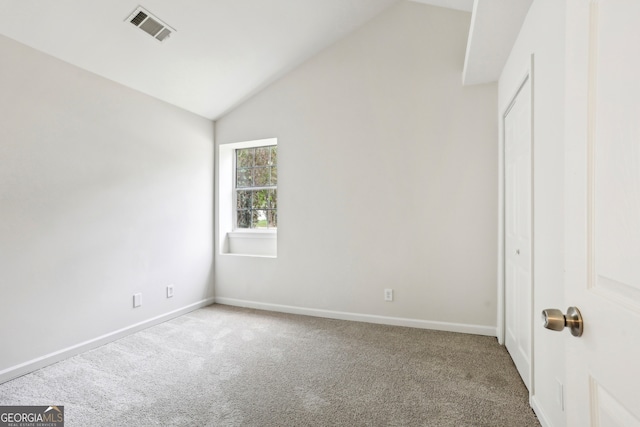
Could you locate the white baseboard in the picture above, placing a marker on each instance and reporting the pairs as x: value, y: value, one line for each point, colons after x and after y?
x: 40, y: 362
x: 368, y: 318
x: 544, y: 421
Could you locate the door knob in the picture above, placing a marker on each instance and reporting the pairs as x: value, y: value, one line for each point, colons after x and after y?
x: 556, y: 321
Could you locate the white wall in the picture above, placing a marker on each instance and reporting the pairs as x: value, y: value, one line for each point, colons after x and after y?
x: 543, y: 36
x: 104, y: 192
x: 388, y: 173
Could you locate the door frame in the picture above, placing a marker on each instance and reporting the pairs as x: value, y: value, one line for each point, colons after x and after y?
x: 527, y: 75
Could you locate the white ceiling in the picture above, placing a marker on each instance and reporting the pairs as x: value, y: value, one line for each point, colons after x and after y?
x: 494, y: 28
x: 223, y: 51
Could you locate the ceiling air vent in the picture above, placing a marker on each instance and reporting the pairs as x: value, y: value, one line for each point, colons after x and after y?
x: 151, y: 25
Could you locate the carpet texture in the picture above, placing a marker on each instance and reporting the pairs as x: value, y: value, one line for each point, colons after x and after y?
x: 226, y: 366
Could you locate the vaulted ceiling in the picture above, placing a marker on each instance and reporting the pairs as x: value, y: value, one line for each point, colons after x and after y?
x: 223, y: 51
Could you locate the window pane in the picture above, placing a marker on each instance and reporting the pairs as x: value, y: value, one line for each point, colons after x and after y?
x: 261, y: 177
x: 244, y: 158
x: 260, y: 199
x: 262, y: 156
x: 244, y: 219
x: 259, y: 219
x: 272, y: 218
x: 244, y: 177
x: 256, y: 167
x: 273, y: 199
x: 244, y: 199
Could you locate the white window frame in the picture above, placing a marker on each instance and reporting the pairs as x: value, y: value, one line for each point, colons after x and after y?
x: 235, y: 190
x: 232, y: 240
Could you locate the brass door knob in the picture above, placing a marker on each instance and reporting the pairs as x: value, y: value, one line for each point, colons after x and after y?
x: 556, y: 321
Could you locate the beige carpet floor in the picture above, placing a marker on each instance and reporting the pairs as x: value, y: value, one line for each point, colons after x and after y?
x: 226, y: 366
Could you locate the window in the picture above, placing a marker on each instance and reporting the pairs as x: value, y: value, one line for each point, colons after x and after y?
x: 255, y: 189
x: 247, y: 198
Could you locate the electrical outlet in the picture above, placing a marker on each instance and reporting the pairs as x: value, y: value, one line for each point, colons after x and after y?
x: 169, y: 291
x: 388, y: 294
x: 137, y: 300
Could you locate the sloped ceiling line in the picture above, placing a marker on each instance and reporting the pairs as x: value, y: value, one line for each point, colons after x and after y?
x: 225, y: 50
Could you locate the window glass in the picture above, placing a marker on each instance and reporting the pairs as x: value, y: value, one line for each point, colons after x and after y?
x: 256, y: 187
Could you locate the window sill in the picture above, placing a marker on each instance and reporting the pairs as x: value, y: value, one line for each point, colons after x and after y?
x: 228, y: 254
x: 253, y: 234
x: 257, y: 243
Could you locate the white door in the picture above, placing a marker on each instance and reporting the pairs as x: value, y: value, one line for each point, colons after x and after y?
x: 603, y: 211
x: 518, y: 291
